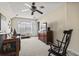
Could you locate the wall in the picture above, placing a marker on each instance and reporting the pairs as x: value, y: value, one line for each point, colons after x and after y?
x: 65, y: 17
x: 73, y: 22
x: 7, y: 12
x: 3, y: 23
x: 56, y: 20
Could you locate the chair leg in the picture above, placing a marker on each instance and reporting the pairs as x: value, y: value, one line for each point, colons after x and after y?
x: 49, y: 54
x: 50, y: 51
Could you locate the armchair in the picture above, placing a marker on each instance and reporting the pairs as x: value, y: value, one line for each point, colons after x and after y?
x: 60, y: 48
x: 10, y: 47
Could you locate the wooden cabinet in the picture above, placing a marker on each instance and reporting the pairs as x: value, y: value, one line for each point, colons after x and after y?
x: 46, y: 37
x: 10, y: 47
x: 45, y: 34
x: 49, y: 36
x: 42, y: 37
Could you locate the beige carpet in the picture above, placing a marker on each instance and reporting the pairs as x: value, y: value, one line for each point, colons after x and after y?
x: 33, y: 47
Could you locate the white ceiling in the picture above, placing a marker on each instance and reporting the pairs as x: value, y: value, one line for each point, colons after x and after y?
x: 17, y: 8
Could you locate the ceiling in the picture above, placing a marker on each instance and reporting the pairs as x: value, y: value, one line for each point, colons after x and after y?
x: 17, y: 8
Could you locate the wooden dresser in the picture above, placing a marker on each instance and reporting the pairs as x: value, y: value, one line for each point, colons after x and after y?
x: 46, y: 37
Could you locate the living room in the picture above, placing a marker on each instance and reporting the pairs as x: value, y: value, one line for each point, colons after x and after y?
x: 59, y: 16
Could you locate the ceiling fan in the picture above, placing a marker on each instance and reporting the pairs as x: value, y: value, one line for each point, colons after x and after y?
x: 33, y: 8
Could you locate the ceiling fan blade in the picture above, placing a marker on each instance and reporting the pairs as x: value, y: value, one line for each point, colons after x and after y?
x: 27, y: 5
x: 25, y: 10
x: 39, y: 11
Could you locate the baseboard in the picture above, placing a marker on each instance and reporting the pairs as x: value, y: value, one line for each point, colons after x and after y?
x: 72, y: 52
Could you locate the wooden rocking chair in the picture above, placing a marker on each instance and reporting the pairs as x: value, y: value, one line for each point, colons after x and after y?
x: 61, y: 48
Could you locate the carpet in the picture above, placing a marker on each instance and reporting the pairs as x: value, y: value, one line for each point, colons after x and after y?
x: 33, y: 47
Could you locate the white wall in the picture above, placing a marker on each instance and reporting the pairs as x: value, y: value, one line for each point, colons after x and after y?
x: 65, y: 17
x: 7, y: 12
x: 73, y: 22
x: 56, y: 20
x: 3, y: 23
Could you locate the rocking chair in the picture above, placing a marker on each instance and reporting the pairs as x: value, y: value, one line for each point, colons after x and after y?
x: 61, y: 48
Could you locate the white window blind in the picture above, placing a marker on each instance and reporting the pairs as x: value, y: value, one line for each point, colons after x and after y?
x: 25, y: 27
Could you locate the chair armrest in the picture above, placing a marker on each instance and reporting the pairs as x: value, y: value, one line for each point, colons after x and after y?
x: 60, y: 41
x: 51, y: 44
x: 56, y: 46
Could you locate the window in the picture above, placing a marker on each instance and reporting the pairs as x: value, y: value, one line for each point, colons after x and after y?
x: 24, y: 27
